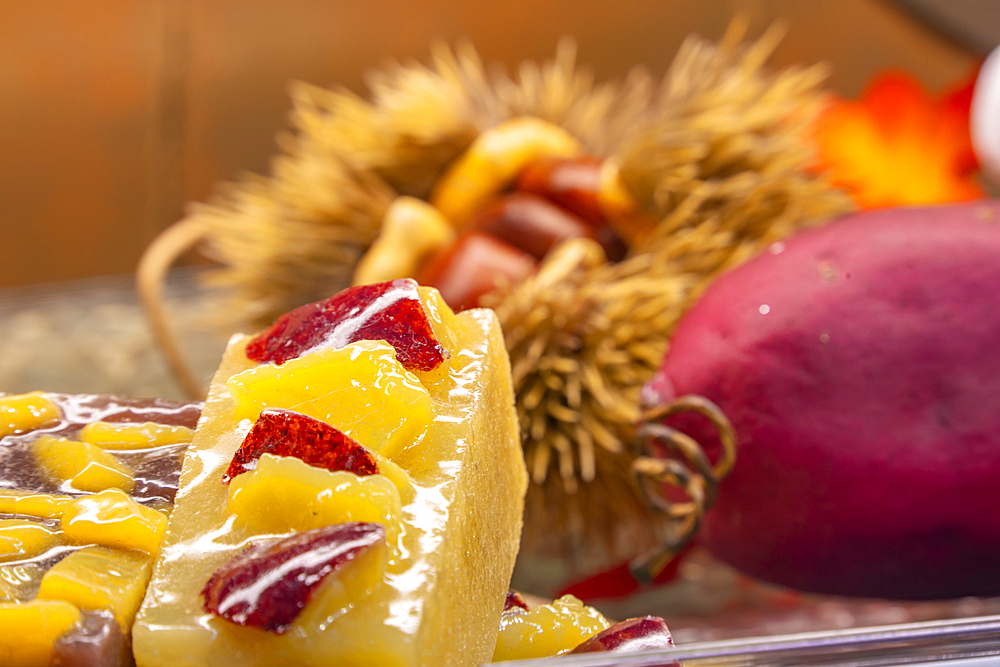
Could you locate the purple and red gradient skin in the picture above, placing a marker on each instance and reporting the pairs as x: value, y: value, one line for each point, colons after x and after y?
x: 288, y: 433
x: 389, y: 311
x: 291, y: 568
x: 648, y: 633
x: 865, y: 402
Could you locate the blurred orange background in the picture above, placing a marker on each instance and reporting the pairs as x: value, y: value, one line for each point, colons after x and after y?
x: 114, y: 115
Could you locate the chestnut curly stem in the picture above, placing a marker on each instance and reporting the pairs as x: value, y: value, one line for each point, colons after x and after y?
x: 690, y: 470
x: 150, y: 278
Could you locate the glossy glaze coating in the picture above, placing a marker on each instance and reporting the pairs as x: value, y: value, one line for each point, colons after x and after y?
x: 446, y: 572
x: 54, y: 523
x: 388, y: 311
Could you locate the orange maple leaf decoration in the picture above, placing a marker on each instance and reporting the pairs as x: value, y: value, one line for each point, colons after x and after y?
x: 897, y: 145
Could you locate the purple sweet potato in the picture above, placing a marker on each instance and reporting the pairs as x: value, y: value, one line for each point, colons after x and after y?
x: 860, y: 366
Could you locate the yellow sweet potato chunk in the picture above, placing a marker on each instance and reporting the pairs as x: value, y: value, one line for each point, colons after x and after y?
x: 123, y: 435
x: 439, y: 600
x: 31, y: 503
x: 31, y: 628
x: 377, y: 402
x: 21, y: 538
x: 283, y: 494
x: 547, y: 630
x: 84, y: 466
x: 26, y: 412
x: 100, y: 578
x: 112, y: 519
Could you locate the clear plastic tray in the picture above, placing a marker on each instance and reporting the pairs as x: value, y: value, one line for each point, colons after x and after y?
x: 966, y: 642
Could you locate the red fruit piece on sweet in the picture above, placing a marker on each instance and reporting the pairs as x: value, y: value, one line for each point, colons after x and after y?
x: 514, y: 604
x: 288, y: 433
x: 389, y: 311
x: 267, y: 586
x: 647, y: 633
x: 473, y: 266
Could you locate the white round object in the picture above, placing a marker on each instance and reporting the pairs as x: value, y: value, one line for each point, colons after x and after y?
x: 984, y: 121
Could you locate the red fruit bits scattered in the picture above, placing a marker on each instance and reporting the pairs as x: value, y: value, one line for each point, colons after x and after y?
x: 267, y: 586
x: 287, y: 433
x: 389, y: 311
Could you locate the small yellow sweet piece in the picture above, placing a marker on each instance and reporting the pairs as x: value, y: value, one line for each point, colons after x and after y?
x: 21, y: 538
x: 285, y: 494
x: 25, y: 412
x: 114, y: 435
x: 112, y: 519
x: 31, y: 628
x: 411, y: 231
x: 547, y: 630
x: 31, y: 503
x: 494, y: 160
x: 100, y: 578
x: 365, y: 393
x: 84, y: 466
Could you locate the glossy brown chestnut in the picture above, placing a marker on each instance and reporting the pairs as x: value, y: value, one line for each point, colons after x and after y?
x: 474, y: 266
x: 572, y: 184
x: 530, y: 223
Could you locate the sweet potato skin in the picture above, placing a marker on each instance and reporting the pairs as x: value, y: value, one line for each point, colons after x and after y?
x: 860, y: 366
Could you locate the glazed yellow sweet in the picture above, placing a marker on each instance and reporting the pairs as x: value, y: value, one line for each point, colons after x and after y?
x: 126, y: 435
x: 110, y: 518
x: 360, y: 389
x: 31, y: 628
x: 283, y: 494
x: 23, y: 538
x: 31, y: 503
x: 83, y: 466
x: 547, y: 630
x: 439, y: 598
x: 25, y: 412
x: 99, y: 578
x: 74, y: 563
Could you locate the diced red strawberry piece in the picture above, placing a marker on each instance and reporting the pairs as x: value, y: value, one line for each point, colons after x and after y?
x: 287, y: 433
x: 267, y: 586
x: 389, y: 311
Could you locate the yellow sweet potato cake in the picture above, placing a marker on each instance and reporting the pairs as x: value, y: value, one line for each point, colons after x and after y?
x: 353, y: 495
